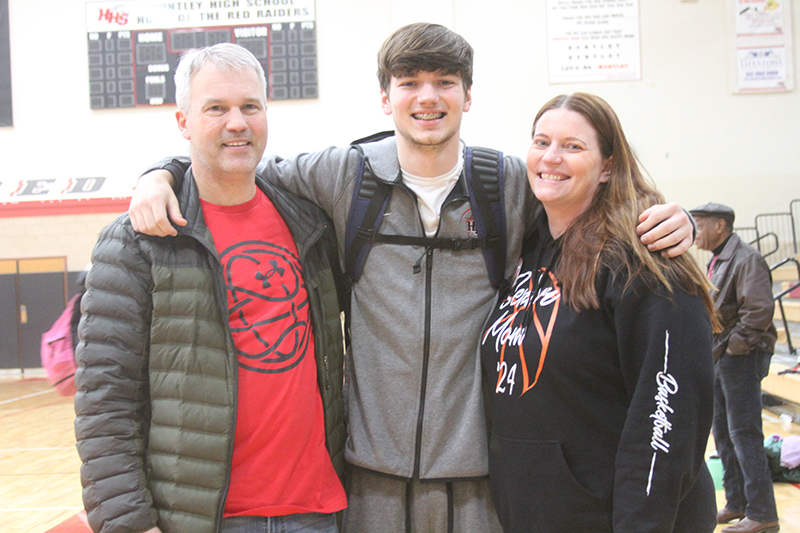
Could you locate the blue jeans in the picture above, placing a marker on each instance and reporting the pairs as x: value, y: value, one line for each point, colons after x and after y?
x: 738, y: 435
x: 293, y: 523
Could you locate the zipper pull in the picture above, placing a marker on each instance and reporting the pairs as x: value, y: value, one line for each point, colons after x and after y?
x: 428, y: 252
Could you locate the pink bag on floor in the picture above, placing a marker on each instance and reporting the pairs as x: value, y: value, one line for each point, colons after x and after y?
x: 790, y: 452
x: 58, y: 354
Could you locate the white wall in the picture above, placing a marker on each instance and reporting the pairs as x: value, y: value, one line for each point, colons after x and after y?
x: 698, y: 141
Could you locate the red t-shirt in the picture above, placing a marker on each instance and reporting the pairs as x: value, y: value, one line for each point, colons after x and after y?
x: 280, y: 464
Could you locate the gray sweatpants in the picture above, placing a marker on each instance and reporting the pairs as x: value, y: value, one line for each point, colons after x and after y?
x: 377, y: 504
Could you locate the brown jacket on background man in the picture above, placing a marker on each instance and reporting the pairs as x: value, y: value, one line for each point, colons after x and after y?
x: 743, y: 297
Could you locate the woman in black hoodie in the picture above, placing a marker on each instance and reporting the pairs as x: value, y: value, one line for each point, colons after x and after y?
x: 599, y: 358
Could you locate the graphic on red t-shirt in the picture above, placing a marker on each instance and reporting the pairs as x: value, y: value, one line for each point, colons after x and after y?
x: 280, y: 464
x: 264, y: 280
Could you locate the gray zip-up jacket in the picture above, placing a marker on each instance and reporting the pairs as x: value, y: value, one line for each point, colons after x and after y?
x: 743, y: 296
x: 413, y: 396
x: 413, y: 378
x: 157, y: 376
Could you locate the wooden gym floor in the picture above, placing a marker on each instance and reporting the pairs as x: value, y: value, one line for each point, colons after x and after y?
x: 40, y: 483
x: 39, y: 467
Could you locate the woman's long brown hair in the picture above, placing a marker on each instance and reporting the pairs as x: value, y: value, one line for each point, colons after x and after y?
x: 605, y: 233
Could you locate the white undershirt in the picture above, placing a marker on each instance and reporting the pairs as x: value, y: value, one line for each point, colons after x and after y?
x: 431, y: 194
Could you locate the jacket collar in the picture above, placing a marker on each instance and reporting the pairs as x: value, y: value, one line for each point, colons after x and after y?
x: 382, y: 156
x: 304, y: 227
x: 729, y: 248
x: 189, y: 203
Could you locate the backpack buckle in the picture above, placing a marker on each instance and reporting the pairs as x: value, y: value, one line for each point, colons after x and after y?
x: 365, y: 233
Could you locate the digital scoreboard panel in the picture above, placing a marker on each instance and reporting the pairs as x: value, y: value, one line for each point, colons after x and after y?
x: 134, y: 47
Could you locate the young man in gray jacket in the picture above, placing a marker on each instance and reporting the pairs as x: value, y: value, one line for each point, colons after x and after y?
x: 210, y: 366
x: 417, y: 436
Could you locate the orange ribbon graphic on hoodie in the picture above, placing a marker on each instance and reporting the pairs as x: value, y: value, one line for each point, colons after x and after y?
x: 544, y: 335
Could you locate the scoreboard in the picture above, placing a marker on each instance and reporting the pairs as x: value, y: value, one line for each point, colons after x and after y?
x: 134, y: 47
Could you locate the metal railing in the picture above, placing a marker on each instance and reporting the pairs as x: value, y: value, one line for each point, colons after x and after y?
x: 747, y: 234
x: 783, y: 225
x: 779, y: 298
x: 794, y: 209
x: 757, y: 244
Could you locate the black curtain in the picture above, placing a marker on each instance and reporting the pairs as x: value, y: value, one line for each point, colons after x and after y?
x: 6, y: 118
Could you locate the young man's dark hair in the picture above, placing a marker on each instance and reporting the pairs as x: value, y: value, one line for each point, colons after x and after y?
x: 424, y: 47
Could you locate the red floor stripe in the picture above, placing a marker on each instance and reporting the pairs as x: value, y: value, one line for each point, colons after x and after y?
x: 75, y: 524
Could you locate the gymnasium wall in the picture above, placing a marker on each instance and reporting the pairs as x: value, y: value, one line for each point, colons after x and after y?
x: 697, y: 139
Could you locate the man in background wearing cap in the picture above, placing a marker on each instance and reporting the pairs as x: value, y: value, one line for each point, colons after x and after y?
x: 743, y: 298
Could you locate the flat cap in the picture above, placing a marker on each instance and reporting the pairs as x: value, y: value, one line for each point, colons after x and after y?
x: 714, y: 210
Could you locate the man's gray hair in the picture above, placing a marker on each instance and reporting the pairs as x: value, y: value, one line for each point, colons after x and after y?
x: 226, y: 57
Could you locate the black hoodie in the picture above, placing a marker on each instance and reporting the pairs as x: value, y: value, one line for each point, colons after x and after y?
x: 600, y: 418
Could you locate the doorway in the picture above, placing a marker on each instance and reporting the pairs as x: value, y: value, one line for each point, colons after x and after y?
x: 33, y: 292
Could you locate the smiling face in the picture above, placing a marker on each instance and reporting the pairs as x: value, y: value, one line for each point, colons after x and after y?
x: 565, y: 165
x: 226, y: 123
x: 427, y: 108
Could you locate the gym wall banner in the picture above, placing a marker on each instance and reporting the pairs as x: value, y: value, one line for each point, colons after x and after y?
x: 63, y: 196
x: 596, y: 40
x: 761, y: 46
x: 6, y: 118
x: 135, y: 46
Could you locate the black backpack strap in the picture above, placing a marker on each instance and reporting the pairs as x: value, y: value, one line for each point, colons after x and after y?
x: 370, y: 198
x: 373, y: 138
x: 485, y: 180
x: 484, y: 175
